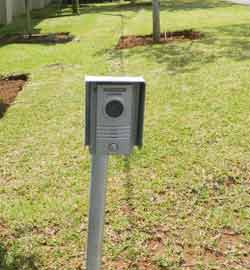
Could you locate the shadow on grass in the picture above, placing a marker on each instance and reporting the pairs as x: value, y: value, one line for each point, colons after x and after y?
x: 3, y: 109
x: 15, y: 33
x: 130, y: 211
x: 178, y: 5
x: 129, y: 193
x: 53, y: 12
x: 41, y: 39
x: 175, y: 57
x: 194, y: 4
x: 235, y: 41
x: 16, y: 261
x: 89, y: 8
x: 230, y: 42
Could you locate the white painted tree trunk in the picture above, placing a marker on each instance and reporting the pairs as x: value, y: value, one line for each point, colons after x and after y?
x: 156, y: 21
x: 28, y: 17
x: 76, y: 7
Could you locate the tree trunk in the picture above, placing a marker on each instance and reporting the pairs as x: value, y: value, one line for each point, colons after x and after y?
x: 156, y: 21
x: 28, y: 17
x: 76, y: 7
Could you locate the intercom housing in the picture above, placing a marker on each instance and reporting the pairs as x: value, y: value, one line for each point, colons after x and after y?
x: 114, y: 114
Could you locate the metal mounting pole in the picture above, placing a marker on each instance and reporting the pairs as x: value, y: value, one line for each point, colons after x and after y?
x: 96, y: 211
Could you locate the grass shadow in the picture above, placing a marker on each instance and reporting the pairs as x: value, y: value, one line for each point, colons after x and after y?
x: 236, y: 41
x: 178, y: 5
x: 129, y: 187
x: 231, y: 41
x: 52, y: 12
x: 16, y: 261
x: 130, y: 193
x: 176, y: 57
x: 3, y: 108
x: 41, y: 39
x: 19, y: 25
x: 194, y: 4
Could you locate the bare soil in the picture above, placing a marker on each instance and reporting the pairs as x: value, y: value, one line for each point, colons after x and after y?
x: 228, y: 242
x: 9, y: 88
x: 132, y: 41
x: 52, y: 38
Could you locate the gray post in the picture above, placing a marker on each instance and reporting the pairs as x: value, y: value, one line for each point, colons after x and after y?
x: 28, y: 17
x: 96, y: 211
x: 6, y: 11
x: 76, y: 7
x: 156, y: 21
x: 113, y: 126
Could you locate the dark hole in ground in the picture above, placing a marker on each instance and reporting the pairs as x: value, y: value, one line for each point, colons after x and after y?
x: 9, y: 88
x: 51, y: 38
x: 132, y: 41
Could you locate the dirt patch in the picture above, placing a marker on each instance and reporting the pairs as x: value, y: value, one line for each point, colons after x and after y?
x: 145, y: 264
x: 132, y: 41
x: 3, y: 229
x: 119, y: 263
x: 156, y: 245
x: 52, y: 38
x: 6, y: 234
x: 230, y: 249
x: 9, y: 89
x: 140, y: 264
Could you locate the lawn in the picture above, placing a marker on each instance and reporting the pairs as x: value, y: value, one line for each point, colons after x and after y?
x: 183, y: 201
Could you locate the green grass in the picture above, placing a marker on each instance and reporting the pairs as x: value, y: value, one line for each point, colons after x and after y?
x: 184, y: 199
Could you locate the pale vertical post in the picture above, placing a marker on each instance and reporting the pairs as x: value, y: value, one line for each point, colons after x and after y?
x: 76, y: 7
x: 156, y: 21
x: 6, y: 11
x: 28, y: 16
x: 96, y: 211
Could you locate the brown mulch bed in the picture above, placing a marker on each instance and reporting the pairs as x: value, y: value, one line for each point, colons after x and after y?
x: 52, y: 38
x: 9, y: 88
x: 132, y: 41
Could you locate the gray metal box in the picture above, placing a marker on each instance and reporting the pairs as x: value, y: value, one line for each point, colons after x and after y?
x: 114, y: 114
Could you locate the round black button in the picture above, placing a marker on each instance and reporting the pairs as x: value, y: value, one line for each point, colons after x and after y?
x: 114, y: 108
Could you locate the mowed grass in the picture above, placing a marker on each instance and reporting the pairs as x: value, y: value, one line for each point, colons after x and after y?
x: 183, y: 201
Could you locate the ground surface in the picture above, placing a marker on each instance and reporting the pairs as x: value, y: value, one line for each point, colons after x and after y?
x: 49, y: 39
x: 9, y: 88
x: 131, y: 41
x: 182, y: 202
